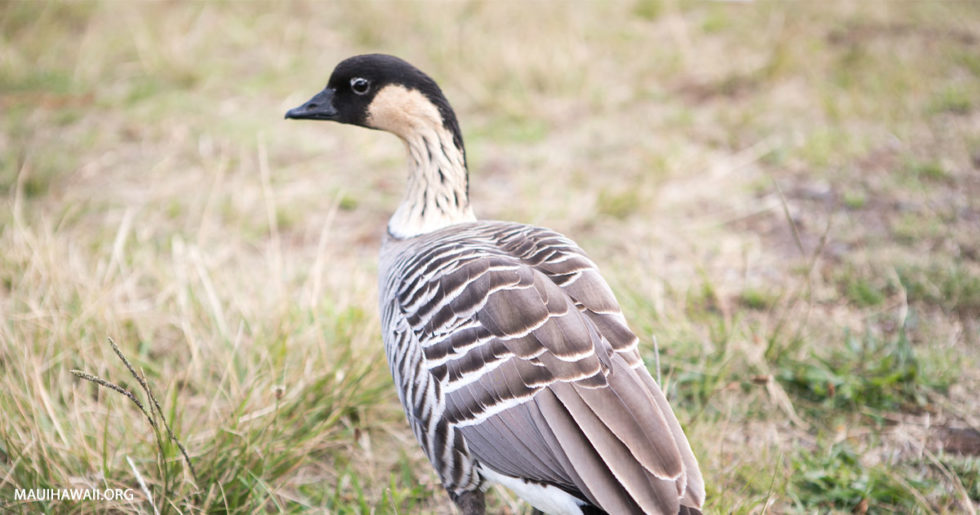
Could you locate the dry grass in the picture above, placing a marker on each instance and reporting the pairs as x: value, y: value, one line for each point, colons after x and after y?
x: 786, y: 195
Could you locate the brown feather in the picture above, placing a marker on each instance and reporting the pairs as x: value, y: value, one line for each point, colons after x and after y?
x: 539, y: 373
x: 651, y: 494
x: 693, y: 494
x: 632, y: 416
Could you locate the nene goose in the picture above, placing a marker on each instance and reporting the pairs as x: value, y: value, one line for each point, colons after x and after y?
x: 509, y: 351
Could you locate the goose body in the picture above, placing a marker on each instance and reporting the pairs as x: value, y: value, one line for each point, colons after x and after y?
x: 510, y: 354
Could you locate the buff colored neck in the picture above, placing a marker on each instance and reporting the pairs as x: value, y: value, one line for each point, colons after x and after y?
x: 436, y: 195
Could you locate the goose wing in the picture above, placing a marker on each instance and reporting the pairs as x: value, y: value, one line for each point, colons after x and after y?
x: 539, y: 373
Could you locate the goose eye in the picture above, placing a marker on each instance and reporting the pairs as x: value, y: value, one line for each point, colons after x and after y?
x: 359, y: 85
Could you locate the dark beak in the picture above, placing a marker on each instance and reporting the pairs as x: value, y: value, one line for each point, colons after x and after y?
x: 320, y: 107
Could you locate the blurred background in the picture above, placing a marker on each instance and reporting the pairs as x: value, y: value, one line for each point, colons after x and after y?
x: 786, y: 195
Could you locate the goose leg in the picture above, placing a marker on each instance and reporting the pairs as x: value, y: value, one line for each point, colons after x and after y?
x: 471, y: 503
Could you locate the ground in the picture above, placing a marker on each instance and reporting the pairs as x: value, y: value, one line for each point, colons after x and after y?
x: 784, y: 196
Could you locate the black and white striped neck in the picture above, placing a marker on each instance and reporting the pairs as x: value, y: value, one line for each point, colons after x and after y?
x: 436, y: 196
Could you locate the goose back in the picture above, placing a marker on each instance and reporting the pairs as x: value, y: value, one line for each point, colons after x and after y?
x: 510, y: 353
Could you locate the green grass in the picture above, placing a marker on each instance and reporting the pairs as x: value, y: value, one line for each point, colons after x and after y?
x: 833, y: 478
x: 868, y: 374
x: 757, y: 299
x: 783, y: 195
x: 954, y: 288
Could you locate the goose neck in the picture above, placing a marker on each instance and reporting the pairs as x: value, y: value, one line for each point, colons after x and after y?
x: 437, y: 193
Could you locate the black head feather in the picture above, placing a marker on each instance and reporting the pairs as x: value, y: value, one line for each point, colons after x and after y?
x: 347, y: 96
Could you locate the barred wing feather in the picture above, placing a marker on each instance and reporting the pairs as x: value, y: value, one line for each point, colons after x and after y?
x: 529, y: 369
